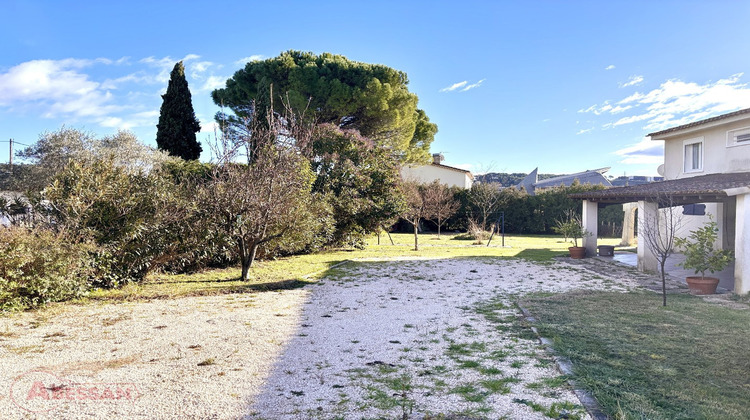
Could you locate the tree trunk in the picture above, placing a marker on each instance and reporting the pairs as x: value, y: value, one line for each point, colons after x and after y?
x: 438, y: 223
x: 253, y: 252
x: 243, y: 258
x: 416, y: 236
x: 245, y: 268
x: 663, y: 283
x: 389, y: 235
x: 247, y: 256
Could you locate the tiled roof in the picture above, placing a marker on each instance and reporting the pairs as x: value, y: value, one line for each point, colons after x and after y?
x: 701, y: 122
x: 705, y: 188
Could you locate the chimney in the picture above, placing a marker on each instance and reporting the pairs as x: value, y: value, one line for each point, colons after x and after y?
x: 437, y: 158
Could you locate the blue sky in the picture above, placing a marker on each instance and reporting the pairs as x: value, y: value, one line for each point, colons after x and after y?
x: 513, y: 85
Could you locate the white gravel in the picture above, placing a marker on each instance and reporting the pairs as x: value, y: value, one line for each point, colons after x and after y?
x: 374, y: 339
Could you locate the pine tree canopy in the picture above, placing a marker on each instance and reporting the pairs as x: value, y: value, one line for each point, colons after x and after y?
x: 177, y: 122
x: 372, y: 98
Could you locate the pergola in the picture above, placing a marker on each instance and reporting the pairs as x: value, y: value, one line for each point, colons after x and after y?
x: 730, y: 189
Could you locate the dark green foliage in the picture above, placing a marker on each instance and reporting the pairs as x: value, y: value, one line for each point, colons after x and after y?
x: 424, y: 133
x: 188, y: 242
x: 371, y: 98
x: 358, y: 180
x: 177, y: 122
x: 536, y: 214
x: 123, y: 214
x: 38, y: 266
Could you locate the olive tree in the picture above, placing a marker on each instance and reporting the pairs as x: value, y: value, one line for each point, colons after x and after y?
x: 265, y: 199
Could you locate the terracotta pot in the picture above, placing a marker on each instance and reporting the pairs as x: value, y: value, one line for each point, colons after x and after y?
x: 577, y: 252
x: 702, y: 285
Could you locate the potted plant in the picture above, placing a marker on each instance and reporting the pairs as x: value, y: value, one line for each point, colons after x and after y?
x: 701, y: 256
x: 574, y: 230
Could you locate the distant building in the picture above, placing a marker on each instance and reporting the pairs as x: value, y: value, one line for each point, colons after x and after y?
x: 453, y: 177
x: 531, y: 183
x: 626, y: 181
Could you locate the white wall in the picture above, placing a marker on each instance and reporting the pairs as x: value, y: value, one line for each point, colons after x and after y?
x: 428, y: 173
x: 718, y: 156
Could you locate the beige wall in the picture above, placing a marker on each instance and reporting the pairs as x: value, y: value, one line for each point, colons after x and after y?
x: 428, y: 173
x: 718, y: 155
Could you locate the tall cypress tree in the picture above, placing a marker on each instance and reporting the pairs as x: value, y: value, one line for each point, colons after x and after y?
x: 177, y: 126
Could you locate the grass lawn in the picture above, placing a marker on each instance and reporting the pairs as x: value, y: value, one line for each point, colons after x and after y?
x: 640, y: 360
x: 295, y: 271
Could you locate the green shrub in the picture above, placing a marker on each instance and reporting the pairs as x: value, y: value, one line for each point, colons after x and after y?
x: 39, y: 266
x: 127, y: 215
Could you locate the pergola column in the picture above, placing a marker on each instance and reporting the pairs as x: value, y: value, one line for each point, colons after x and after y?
x: 628, y: 224
x: 741, y: 243
x: 590, y: 223
x: 648, y: 212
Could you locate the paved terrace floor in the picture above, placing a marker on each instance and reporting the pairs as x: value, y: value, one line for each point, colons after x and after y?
x: 726, y: 276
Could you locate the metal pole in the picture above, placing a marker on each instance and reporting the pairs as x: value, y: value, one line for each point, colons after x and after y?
x: 11, y: 154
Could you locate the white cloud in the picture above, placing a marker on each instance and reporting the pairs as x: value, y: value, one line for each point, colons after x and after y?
x: 114, y: 122
x: 198, y: 68
x: 454, y: 86
x: 610, y: 67
x: 165, y: 66
x: 214, y: 82
x: 632, y: 81
x: 463, y: 86
x: 245, y: 60
x: 209, y: 127
x: 54, y: 87
x: 584, y: 131
x: 676, y: 102
x: 68, y: 90
x: 598, y: 109
x: 127, y: 122
x: 473, y: 86
x: 645, y: 152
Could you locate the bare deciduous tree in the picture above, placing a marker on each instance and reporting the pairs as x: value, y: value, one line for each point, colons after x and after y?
x: 659, y: 233
x: 439, y: 202
x: 485, y: 200
x: 414, y: 210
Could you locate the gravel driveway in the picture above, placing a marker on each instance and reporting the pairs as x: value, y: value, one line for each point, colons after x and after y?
x: 373, y: 339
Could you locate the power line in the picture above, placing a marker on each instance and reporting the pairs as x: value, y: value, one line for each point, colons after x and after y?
x: 15, y: 142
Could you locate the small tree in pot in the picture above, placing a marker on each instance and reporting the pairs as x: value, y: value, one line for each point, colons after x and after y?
x: 701, y: 256
x: 574, y: 230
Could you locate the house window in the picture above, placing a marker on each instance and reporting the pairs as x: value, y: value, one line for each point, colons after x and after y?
x: 693, y: 155
x: 738, y: 137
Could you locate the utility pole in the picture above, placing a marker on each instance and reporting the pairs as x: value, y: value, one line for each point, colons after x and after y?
x: 11, y: 154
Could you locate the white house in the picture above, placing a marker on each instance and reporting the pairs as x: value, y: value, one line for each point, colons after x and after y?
x: 453, y: 177
x: 707, y: 163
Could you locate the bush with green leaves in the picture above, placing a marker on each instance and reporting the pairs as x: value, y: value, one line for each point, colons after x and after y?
x: 127, y: 215
x: 699, y: 251
x: 55, y: 150
x: 39, y: 266
x: 359, y: 181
